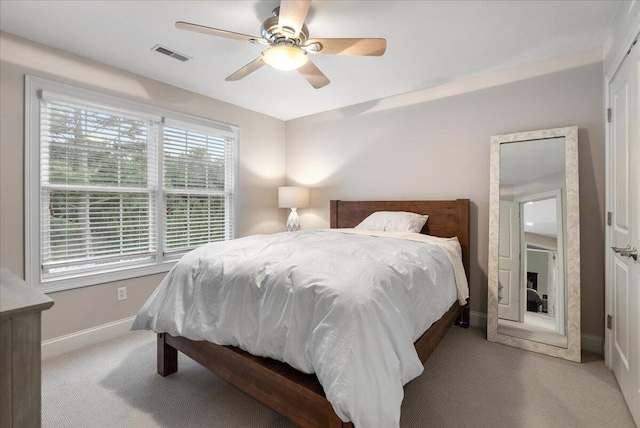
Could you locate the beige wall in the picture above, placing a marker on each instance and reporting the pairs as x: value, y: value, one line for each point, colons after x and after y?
x: 434, y: 144
x: 428, y: 144
x: 538, y: 262
x: 261, y: 168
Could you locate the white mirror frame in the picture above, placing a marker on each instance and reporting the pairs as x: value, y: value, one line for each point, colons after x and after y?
x: 572, y: 240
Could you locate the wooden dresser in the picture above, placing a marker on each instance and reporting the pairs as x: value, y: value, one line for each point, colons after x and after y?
x: 20, y: 308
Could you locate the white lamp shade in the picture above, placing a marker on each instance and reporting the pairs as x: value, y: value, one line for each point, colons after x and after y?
x: 293, y: 197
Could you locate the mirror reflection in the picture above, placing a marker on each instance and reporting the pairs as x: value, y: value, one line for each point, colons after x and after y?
x: 531, y: 284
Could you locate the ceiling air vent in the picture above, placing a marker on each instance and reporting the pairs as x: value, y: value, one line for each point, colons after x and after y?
x: 169, y: 52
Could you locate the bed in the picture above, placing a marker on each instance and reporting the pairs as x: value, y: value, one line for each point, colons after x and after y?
x: 534, y: 301
x: 299, y: 396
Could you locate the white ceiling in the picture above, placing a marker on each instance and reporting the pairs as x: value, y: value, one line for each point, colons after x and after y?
x: 541, y: 217
x: 429, y: 43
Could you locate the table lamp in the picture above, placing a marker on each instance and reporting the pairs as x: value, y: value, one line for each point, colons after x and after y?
x: 294, y: 198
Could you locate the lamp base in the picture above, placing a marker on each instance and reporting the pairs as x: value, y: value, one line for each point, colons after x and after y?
x: 293, y: 222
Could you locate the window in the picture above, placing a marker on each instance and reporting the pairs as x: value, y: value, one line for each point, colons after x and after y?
x: 198, y: 187
x: 118, y: 189
x: 97, y: 181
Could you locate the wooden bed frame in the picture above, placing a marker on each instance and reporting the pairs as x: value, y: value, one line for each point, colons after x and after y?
x: 299, y: 396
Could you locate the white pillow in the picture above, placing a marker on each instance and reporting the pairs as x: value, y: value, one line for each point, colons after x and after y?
x: 394, y: 221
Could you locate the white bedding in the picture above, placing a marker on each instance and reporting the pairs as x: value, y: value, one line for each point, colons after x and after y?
x: 347, y: 305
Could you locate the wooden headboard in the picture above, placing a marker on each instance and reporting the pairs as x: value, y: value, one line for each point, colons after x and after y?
x: 446, y: 218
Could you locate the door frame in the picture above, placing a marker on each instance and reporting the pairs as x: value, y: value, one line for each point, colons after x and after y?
x: 554, y: 253
x: 629, y: 39
x: 558, y: 195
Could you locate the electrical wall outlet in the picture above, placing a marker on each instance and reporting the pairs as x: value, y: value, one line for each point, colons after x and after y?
x: 122, y: 293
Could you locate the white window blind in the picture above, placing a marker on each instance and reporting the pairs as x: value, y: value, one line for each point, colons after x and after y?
x: 198, y: 186
x: 98, y: 180
x: 117, y: 189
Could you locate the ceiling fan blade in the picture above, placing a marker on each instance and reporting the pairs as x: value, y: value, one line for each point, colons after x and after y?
x: 314, y: 76
x: 246, y: 70
x: 216, y: 32
x: 292, y: 16
x: 366, y: 47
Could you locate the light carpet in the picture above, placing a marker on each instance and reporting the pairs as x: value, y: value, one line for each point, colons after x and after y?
x: 467, y: 382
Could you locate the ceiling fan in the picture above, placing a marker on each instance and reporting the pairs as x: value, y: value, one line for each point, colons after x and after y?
x: 289, y: 44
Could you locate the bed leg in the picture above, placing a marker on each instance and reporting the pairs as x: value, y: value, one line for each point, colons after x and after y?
x: 463, y: 318
x: 167, y: 357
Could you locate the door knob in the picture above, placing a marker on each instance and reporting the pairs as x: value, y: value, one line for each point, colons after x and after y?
x: 627, y: 251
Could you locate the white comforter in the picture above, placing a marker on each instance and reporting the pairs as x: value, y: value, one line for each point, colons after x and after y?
x: 343, y: 304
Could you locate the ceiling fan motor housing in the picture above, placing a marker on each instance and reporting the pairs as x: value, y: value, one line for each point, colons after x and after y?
x: 271, y: 32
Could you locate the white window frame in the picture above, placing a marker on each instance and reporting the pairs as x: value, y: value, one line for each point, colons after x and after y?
x: 34, y: 87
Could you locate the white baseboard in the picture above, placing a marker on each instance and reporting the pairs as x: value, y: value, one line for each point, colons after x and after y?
x: 81, y: 339
x: 589, y: 342
x: 478, y: 319
x: 592, y: 343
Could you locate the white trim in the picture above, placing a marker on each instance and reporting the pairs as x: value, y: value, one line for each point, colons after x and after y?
x: 237, y: 186
x: 79, y: 280
x: 81, y: 339
x: 623, y: 50
x: 478, y: 319
x: 196, y: 124
x: 94, y: 102
x: 632, y: 34
x: 561, y: 291
x: 91, y: 336
x: 100, y: 98
x: 591, y: 343
x: 28, y: 167
x: 608, y: 286
x: 35, y: 87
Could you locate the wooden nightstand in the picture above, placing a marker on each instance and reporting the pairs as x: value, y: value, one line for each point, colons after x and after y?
x: 20, y: 308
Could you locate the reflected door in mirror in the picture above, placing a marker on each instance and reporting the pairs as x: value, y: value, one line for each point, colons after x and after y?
x: 509, y: 307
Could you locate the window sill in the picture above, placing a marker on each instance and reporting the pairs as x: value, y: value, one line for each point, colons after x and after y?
x: 104, y: 277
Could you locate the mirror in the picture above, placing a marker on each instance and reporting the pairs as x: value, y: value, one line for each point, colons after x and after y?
x: 534, y: 284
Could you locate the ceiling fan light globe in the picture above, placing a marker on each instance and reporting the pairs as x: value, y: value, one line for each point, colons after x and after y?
x: 285, y: 57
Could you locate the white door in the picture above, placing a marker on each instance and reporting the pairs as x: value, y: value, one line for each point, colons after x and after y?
x: 624, y: 272
x: 509, y: 261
